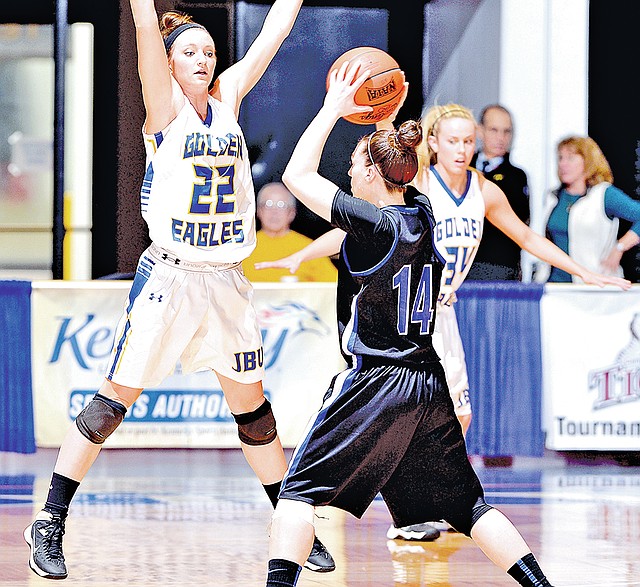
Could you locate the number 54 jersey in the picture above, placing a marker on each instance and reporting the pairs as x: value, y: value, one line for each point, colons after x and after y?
x: 458, y: 229
x: 197, y: 196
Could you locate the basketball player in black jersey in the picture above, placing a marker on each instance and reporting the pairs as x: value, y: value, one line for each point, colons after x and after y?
x: 387, y: 424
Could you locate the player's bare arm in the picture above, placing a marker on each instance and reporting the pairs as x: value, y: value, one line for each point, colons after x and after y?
x: 161, y: 94
x: 238, y: 80
x: 325, y: 245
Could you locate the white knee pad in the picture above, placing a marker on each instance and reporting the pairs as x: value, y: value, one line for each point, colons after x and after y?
x: 290, y: 508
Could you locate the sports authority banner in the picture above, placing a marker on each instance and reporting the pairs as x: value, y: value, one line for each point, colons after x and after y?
x: 591, y: 367
x: 73, y: 327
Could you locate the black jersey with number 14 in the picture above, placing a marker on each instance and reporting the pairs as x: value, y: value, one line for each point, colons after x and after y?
x: 388, y: 280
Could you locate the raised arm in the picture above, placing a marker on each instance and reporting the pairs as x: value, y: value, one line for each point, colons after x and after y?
x: 500, y: 213
x: 325, y: 245
x: 161, y: 94
x: 238, y: 80
x: 301, y: 174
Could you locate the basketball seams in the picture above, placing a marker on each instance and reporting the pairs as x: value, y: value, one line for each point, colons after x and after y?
x: 387, y: 71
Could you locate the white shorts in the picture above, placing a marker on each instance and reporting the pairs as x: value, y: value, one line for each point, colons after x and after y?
x: 448, y: 345
x: 199, y: 314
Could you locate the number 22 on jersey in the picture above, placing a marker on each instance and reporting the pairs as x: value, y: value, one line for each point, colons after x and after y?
x: 202, y: 191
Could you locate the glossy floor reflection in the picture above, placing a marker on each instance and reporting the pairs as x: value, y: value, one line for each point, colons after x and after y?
x: 199, y: 517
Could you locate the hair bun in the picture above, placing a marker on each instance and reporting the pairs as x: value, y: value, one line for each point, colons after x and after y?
x: 172, y: 19
x: 409, y: 134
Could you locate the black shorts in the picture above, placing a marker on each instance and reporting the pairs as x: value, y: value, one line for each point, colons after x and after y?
x: 392, y: 430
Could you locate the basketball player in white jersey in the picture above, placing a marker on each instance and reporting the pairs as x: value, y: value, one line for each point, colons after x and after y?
x: 189, y: 301
x: 461, y: 199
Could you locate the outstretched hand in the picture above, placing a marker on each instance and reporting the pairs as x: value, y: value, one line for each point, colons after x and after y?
x: 292, y: 263
x: 343, y: 85
x: 601, y: 280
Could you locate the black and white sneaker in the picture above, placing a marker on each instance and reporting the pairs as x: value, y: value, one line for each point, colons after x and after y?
x: 419, y: 532
x: 320, y: 559
x: 44, y: 537
x: 443, y: 526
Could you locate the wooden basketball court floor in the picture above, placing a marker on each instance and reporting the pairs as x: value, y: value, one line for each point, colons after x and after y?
x: 199, y: 517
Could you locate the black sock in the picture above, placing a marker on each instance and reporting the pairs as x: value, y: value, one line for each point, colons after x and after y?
x: 282, y: 573
x: 528, y: 573
x: 61, y: 492
x: 272, y: 492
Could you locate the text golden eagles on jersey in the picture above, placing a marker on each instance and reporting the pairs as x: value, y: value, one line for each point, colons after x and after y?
x: 211, y: 234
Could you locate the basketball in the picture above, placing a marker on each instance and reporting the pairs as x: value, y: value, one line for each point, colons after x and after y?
x: 382, y: 89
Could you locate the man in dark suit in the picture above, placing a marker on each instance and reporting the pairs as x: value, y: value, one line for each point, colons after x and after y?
x: 498, y: 257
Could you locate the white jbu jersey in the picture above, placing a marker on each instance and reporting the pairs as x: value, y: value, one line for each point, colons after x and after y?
x: 197, y: 196
x: 458, y: 230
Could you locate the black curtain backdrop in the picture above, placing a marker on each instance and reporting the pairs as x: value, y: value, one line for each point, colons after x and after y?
x: 614, y: 122
x: 278, y: 109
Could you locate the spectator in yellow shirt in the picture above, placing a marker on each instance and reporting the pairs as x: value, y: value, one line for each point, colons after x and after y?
x: 276, y: 210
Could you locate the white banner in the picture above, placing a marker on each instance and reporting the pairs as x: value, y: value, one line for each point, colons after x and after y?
x: 591, y: 367
x: 73, y: 326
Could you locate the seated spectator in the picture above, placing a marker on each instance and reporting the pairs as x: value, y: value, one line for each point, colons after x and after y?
x: 276, y: 210
x: 583, y: 213
x: 498, y: 257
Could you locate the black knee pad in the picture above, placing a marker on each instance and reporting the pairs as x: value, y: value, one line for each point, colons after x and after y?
x: 257, y: 428
x: 464, y: 519
x: 480, y: 508
x: 100, y: 418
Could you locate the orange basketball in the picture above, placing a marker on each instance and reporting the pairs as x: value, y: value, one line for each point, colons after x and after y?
x: 382, y: 89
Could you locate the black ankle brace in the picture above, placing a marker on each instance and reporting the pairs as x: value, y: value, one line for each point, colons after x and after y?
x: 61, y: 492
x: 527, y: 572
x: 283, y: 573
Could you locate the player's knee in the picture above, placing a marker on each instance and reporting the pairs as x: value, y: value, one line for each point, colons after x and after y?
x: 295, y: 510
x: 464, y: 520
x: 99, y: 419
x: 257, y: 428
x: 480, y: 508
